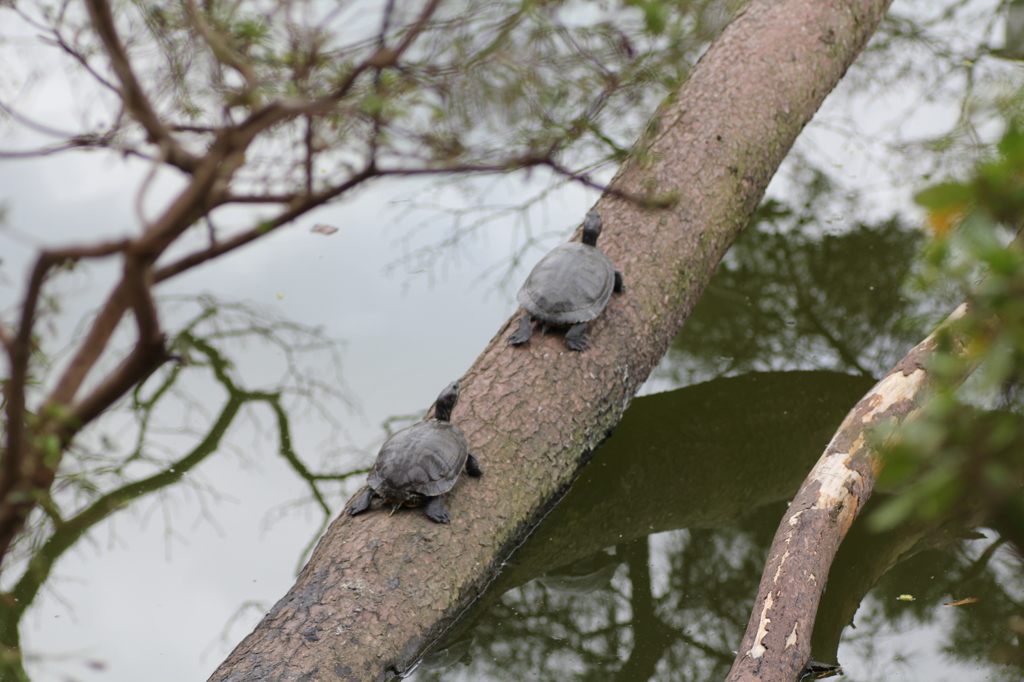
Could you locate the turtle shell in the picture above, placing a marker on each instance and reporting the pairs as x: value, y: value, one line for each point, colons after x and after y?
x: 423, y: 460
x: 569, y: 285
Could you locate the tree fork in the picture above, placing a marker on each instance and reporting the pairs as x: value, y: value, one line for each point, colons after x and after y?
x: 377, y: 588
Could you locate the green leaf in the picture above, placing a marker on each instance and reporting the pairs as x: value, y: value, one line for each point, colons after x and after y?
x: 1012, y: 144
x: 50, y: 446
x: 893, y: 512
x: 944, y: 195
x: 656, y: 17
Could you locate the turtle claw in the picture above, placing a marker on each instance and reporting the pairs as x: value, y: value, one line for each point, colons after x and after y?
x: 361, y: 503
x: 575, y: 338
x: 436, y: 511
x: 524, y: 332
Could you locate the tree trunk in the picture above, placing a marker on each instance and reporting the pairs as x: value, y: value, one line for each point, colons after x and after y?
x: 378, y: 588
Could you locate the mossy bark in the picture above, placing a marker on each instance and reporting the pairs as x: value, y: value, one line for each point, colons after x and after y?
x: 379, y: 588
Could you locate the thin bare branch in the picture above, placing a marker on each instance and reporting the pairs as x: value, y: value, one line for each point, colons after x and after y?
x: 134, y: 97
x: 230, y: 198
x: 59, y: 42
x: 222, y: 52
x: 35, y: 125
x: 185, y: 128
x: 77, y: 144
x: 309, y: 155
x: 384, y: 56
x: 304, y: 205
x: 411, y: 35
x: 584, y: 179
x: 528, y: 162
x: 105, y: 140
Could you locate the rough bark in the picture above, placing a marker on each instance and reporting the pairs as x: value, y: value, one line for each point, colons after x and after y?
x: 777, y: 642
x: 378, y: 588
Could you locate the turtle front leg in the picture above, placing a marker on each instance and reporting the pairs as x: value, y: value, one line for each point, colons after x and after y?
x: 576, y: 338
x: 473, y: 466
x: 436, y: 511
x: 361, y: 503
x: 524, y: 332
x: 618, y: 287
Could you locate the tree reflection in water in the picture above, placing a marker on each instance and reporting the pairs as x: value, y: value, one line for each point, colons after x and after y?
x: 678, y: 601
x: 152, y: 444
x: 632, y: 628
x: 795, y: 293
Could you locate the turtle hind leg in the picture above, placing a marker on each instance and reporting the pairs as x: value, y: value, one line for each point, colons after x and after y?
x: 576, y: 338
x: 436, y: 511
x: 361, y: 503
x: 524, y: 332
x: 619, y: 286
x: 473, y: 466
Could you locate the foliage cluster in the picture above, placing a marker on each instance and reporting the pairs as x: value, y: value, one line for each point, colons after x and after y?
x: 971, y: 441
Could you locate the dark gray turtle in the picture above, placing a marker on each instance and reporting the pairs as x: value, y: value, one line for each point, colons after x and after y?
x: 420, y: 463
x: 569, y: 287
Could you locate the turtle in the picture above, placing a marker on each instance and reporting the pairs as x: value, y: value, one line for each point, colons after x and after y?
x: 569, y: 287
x: 418, y: 464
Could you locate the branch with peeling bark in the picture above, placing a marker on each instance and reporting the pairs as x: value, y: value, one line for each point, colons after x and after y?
x: 777, y: 644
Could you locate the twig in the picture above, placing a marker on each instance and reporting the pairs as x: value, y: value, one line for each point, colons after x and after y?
x: 309, y: 155
x: 384, y: 56
x: 222, y: 52
x: 58, y: 40
x: 34, y: 125
x: 299, y: 208
x: 131, y: 92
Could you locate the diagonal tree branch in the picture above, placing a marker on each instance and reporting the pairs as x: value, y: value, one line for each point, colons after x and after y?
x: 377, y: 590
x: 20, y: 349
x: 146, y: 356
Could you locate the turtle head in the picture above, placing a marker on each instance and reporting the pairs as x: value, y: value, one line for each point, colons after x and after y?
x: 446, y: 401
x: 591, y: 228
